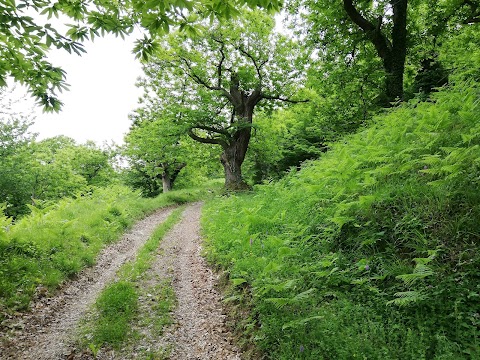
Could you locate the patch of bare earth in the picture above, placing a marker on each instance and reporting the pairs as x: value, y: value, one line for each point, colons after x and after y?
x: 198, y: 331
x: 45, y: 332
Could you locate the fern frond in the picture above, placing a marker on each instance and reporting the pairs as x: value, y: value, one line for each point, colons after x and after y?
x: 279, y: 303
x: 301, y: 322
x: 405, y: 298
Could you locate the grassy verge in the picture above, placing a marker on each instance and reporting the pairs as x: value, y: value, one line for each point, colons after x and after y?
x: 118, y: 308
x: 42, y: 249
x: 371, y: 252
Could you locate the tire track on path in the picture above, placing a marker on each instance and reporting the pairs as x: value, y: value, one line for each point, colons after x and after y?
x: 199, y: 331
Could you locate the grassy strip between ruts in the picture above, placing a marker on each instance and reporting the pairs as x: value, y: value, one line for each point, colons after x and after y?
x: 117, y: 310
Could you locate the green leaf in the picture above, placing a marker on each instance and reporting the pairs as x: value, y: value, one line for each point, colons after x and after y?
x: 238, y: 281
x: 285, y: 251
x: 301, y: 322
x: 406, y: 298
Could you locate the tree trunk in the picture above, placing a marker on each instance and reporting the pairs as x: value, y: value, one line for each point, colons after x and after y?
x: 169, y: 176
x: 166, y: 182
x: 392, y: 53
x: 232, y: 159
x: 234, y: 145
x: 398, y: 53
x: 235, y: 149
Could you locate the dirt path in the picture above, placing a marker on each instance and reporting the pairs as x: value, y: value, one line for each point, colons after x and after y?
x: 44, y: 333
x: 198, y: 332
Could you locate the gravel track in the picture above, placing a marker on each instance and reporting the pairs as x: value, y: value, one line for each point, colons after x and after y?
x: 44, y: 333
x: 198, y: 331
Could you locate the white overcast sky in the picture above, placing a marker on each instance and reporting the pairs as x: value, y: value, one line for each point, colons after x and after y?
x: 102, y: 92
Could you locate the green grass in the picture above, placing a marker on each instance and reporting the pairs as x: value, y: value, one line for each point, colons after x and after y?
x: 54, y: 243
x: 155, y: 315
x: 164, y: 302
x: 117, y: 305
x: 370, y: 252
x: 117, y: 308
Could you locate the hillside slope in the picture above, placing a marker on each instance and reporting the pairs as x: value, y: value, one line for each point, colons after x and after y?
x: 371, y: 252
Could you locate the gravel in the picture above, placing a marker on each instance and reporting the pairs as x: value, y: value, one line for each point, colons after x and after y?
x: 198, y: 331
x: 45, y: 332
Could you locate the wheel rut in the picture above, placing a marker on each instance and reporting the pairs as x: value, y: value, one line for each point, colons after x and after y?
x: 45, y: 332
x: 199, y: 331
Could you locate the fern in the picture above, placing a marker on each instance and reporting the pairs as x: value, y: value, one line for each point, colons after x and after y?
x: 406, y: 298
x: 280, y: 303
x: 420, y: 272
x: 301, y: 322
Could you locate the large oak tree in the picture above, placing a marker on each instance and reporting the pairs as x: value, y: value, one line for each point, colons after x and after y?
x: 219, y: 77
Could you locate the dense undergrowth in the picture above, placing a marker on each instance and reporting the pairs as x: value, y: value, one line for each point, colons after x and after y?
x: 372, y: 252
x: 41, y: 250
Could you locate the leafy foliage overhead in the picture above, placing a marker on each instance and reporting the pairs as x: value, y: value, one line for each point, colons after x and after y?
x: 26, y: 32
x: 394, y: 36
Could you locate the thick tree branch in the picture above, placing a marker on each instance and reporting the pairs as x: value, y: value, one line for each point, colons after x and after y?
x: 191, y: 73
x: 220, y: 63
x: 203, y: 140
x: 280, y: 98
x: 356, y: 17
x: 374, y: 33
x: 255, y: 97
x: 236, y: 96
x: 219, y: 68
x: 258, y: 66
x: 212, y: 129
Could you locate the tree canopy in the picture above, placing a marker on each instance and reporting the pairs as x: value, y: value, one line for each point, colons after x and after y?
x: 397, y: 36
x: 27, y: 32
x: 217, y: 79
x: 157, y: 151
x: 36, y: 172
